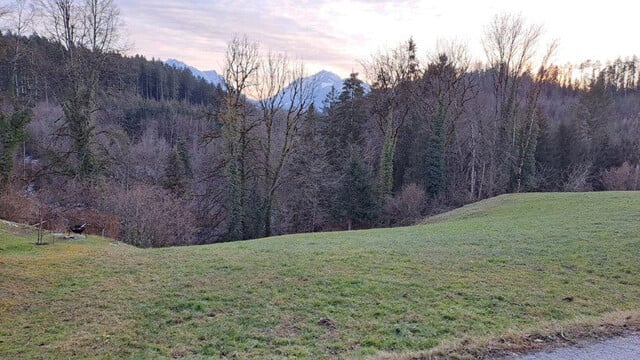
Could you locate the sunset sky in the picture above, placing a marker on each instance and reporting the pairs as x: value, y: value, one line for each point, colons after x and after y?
x: 336, y: 35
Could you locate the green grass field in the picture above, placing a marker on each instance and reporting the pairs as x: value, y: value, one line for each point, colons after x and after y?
x: 510, y: 265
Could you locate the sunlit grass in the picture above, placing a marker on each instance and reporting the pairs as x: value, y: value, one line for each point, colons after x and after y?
x: 507, y: 264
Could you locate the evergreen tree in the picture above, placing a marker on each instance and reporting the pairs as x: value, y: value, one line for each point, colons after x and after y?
x: 386, y: 162
x: 592, y: 126
x: 345, y: 118
x: 435, y: 164
x: 12, y: 133
x: 352, y: 88
x: 351, y: 117
x: 342, y: 135
x: 185, y: 158
x: 175, y: 178
x: 446, y: 89
x: 546, y: 160
x: 564, y: 149
x: 356, y: 200
x: 308, y: 180
x: 395, y: 75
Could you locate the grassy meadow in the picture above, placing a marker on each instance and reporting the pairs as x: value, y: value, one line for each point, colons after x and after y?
x: 514, y: 264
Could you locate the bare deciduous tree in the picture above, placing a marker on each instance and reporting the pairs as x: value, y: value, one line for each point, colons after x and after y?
x: 625, y: 177
x: 88, y: 31
x: 284, y: 99
x: 510, y: 46
x: 527, y: 141
x: 443, y: 93
x: 19, y: 22
x: 392, y: 74
x: 241, y: 65
x: 165, y: 223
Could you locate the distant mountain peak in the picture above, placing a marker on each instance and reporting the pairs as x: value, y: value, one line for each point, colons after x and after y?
x: 326, y: 74
x: 323, y: 82
x: 175, y: 63
x: 211, y: 76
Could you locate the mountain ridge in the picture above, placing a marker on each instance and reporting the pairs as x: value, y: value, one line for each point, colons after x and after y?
x: 322, y: 81
x: 211, y: 76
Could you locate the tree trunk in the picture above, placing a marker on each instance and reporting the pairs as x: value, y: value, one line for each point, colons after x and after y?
x: 267, y: 217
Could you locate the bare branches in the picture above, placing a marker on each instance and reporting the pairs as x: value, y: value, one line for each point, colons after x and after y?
x: 387, y: 70
x: 273, y: 76
x: 446, y: 80
x: 61, y: 19
x: 457, y: 53
x: 393, y: 75
x: 19, y: 15
x: 101, y: 22
x: 390, y: 73
x: 510, y: 44
x: 90, y: 24
x: 88, y: 31
x: 241, y: 64
x: 4, y: 11
x: 282, y: 98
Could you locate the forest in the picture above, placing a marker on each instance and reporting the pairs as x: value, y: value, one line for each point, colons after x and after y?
x: 153, y: 156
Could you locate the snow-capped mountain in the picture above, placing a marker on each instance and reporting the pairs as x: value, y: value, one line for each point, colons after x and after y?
x: 322, y: 83
x: 211, y: 76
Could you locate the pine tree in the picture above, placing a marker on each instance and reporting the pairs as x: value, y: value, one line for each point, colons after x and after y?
x: 395, y: 75
x: 435, y: 158
x: 342, y: 133
x: 185, y: 158
x: 12, y: 133
x: 444, y: 82
x: 175, y: 178
x: 356, y: 200
x: 308, y: 177
x: 546, y: 159
x: 386, y: 163
x: 345, y: 119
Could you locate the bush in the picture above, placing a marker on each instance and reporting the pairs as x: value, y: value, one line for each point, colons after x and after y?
x: 16, y: 207
x: 406, y: 207
x: 578, y: 179
x: 151, y: 216
x: 625, y: 177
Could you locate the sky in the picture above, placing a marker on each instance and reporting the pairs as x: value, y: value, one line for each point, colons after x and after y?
x: 338, y: 35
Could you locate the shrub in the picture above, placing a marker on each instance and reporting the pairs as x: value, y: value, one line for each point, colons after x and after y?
x: 406, y: 207
x: 151, y: 216
x: 578, y: 179
x: 16, y: 207
x: 625, y: 177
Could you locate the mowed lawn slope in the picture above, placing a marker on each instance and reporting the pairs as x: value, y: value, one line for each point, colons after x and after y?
x: 507, y: 265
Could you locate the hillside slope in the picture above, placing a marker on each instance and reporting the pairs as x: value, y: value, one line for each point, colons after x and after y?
x: 509, y: 265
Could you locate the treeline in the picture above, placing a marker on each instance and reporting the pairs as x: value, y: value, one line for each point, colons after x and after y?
x: 156, y: 157
x: 31, y: 71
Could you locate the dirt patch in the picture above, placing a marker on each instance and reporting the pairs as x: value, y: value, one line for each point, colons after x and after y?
x: 288, y: 327
x: 327, y: 323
